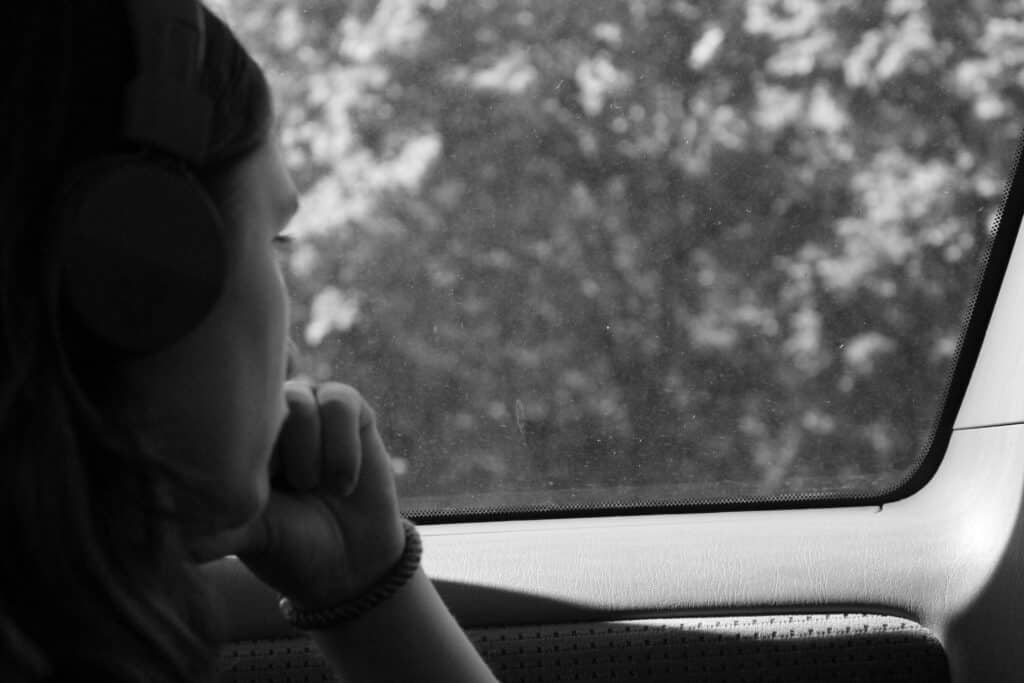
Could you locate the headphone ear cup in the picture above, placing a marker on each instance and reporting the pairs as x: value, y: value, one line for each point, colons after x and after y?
x: 144, y: 258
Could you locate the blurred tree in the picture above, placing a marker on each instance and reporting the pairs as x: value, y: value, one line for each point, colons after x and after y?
x: 653, y: 248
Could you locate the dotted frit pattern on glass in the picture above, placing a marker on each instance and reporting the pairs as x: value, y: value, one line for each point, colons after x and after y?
x: 833, y: 648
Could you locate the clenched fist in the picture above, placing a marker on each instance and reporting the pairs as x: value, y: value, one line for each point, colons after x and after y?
x: 331, y: 527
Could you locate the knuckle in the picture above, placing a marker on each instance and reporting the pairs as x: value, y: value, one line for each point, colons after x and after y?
x: 368, y: 416
x: 341, y: 390
x: 299, y: 393
x: 340, y: 397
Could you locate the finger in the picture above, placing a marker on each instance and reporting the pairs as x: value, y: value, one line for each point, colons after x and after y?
x: 299, y: 447
x: 374, y: 450
x: 375, y: 463
x: 341, y: 410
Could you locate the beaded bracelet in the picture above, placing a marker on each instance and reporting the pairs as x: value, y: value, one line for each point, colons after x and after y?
x: 350, y: 610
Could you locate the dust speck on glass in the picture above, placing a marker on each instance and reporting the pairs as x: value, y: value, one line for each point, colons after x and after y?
x: 620, y: 252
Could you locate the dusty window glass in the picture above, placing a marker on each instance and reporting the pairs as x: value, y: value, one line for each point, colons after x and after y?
x: 594, y: 252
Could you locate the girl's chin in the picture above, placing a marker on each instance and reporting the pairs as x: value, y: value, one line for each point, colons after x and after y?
x: 252, y: 505
x: 240, y: 507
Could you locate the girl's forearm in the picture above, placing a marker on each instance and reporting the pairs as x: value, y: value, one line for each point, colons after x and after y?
x: 411, y: 637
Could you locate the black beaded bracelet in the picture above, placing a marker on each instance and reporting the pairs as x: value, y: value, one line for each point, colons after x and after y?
x: 350, y: 610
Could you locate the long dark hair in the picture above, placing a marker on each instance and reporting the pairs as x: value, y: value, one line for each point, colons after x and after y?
x: 92, y: 575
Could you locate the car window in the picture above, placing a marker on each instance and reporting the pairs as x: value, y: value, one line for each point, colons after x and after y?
x: 630, y: 254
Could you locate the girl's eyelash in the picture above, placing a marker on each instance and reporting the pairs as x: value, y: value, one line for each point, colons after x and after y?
x: 284, y: 240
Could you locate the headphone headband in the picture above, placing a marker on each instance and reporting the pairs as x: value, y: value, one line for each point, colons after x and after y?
x: 143, y: 253
x: 163, y: 106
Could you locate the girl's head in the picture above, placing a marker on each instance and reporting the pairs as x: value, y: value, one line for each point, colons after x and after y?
x: 108, y: 460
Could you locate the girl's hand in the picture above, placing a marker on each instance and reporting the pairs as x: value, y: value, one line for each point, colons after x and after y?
x: 331, y: 527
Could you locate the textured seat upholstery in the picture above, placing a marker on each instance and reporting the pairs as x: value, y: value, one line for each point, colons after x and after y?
x: 836, y: 648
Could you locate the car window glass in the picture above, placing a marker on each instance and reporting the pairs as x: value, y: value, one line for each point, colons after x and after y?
x: 601, y: 253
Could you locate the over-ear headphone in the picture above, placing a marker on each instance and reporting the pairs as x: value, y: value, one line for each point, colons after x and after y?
x: 143, y: 255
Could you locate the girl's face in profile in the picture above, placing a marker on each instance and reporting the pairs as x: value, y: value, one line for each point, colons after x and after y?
x: 214, y: 402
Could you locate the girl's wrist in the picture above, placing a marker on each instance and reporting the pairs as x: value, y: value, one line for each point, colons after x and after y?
x: 306, y: 616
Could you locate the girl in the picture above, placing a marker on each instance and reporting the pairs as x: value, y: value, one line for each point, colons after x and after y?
x: 125, y: 466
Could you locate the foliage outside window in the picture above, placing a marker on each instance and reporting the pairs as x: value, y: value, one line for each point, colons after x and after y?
x: 606, y: 251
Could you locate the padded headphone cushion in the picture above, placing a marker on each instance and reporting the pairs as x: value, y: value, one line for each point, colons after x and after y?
x: 143, y: 252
